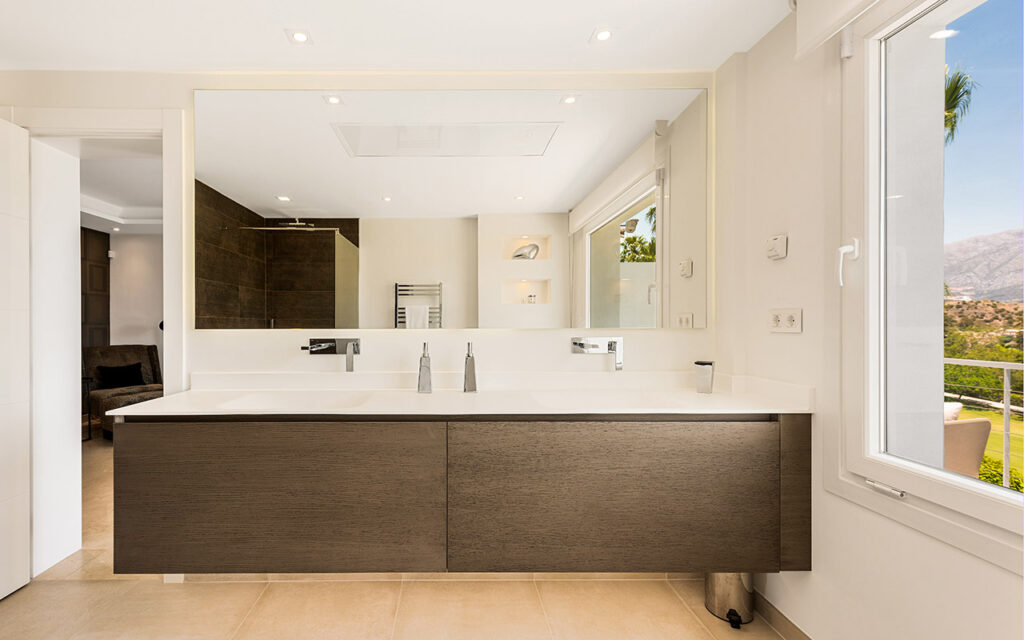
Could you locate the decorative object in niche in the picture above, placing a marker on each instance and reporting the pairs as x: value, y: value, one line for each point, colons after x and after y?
x: 526, y: 252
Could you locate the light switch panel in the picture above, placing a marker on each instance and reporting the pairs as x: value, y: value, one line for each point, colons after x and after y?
x: 778, y: 247
x: 686, y: 268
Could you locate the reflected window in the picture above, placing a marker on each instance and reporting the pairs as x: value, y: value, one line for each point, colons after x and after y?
x: 623, y: 268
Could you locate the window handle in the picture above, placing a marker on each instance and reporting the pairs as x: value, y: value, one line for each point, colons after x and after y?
x: 853, y: 250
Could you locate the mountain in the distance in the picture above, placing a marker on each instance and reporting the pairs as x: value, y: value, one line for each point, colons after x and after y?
x: 989, y: 267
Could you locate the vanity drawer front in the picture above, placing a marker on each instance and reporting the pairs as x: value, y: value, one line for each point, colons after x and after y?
x: 613, y: 496
x: 284, y: 497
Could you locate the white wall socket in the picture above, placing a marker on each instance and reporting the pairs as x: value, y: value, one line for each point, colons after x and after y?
x: 786, y: 320
x: 686, y: 268
x: 684, y: 321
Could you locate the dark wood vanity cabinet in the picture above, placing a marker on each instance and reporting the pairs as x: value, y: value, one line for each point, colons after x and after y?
x: 613, y: 496
x: 239, y: 495
x: 282, y: 497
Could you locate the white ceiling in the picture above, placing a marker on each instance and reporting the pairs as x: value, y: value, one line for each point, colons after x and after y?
x: 383, y: 34
x: 121, y: 182
x: 253, y: 146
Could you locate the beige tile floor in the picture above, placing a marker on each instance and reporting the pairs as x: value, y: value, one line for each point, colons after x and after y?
x: 81, y: 598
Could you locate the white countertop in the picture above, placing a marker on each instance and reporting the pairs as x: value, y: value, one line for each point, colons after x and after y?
x: 199, y: 402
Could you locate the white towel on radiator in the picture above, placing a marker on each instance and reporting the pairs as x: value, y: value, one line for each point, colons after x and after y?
x: 417, y: 316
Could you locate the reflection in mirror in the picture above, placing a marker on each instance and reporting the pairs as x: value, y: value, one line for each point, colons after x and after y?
x: 450, y: 209
x: 623, y: 259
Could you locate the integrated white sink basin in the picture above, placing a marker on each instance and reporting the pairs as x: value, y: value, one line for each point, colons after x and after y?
x: 306, y: 401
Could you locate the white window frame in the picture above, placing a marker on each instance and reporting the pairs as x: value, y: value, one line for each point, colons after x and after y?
x: 981, y: 519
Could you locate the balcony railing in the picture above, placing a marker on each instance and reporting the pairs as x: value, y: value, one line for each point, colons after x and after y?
x: 1006, y: 405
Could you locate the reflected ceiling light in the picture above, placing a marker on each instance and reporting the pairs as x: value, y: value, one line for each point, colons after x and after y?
x: 332, y: 99
x: 943, y: 34
x: 386, y: 198
x: 601, y: 35
x: 568, y: 100
x: 117, y: 228
x: 520, y: 197
x: 298, y: 36
x: 525, y: 237
x: 283, y: 199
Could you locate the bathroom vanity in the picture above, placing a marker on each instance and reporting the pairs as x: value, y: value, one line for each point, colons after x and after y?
x: 497, y: 481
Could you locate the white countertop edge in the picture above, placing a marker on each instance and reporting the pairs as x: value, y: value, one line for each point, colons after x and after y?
x: 756, y: 398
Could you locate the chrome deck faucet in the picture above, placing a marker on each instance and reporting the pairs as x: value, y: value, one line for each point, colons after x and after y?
x: 423, y: 383
x: 469, y: 377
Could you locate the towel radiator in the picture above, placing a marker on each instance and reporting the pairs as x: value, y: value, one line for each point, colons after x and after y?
x: 429, y: 294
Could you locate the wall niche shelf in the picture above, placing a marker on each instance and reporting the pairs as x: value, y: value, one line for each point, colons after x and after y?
x: 519, y: 291
x: 510, y: 243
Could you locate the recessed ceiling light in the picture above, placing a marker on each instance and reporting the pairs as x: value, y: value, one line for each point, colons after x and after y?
x: 298, y: 36
x: 943, y: 34
x: 601, y: 35
x: 284, y: 199
x: 525, y: 237
x: 117, y: 228
x: 568, y: 100
x: 332, y: 99
x: 520, y: 197
x: 386, y: 198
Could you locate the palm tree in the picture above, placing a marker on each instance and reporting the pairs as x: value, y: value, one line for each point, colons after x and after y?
x: 959, y: 87
x: 652, y: 218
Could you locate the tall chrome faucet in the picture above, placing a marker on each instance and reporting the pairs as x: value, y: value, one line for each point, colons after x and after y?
x: 469, y: 379
x: 423, y: 385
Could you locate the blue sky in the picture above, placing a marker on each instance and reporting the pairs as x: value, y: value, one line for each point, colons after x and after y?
x: 984, y: 163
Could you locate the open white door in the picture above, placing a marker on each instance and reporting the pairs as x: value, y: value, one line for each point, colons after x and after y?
x: 15, y: 551
x: 56, y: 326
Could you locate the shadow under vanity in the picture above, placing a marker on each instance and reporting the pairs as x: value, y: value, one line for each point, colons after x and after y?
x: 408, y: 493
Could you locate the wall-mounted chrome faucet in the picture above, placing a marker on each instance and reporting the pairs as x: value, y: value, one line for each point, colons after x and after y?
x: 334, y: 346
x: 613, y: 346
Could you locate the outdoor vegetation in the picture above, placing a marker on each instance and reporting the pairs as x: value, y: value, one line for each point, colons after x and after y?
x: 639, y: 248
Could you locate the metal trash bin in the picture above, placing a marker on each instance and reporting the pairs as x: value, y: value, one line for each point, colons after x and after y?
x: 730, y: 596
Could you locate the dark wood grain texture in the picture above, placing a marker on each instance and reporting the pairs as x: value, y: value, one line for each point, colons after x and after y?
x: 254, y: 497
x: 95, y: 274
x: 795, y: 491
x: 613, y: 496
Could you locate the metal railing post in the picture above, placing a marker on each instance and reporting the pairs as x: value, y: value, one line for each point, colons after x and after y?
x: 1006, y: 427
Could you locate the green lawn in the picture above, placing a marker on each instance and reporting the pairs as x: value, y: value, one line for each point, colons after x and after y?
x: 994, y: 448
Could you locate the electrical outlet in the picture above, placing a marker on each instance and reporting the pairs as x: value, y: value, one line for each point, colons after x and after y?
x: 684, y: 321
x: 786, y: 320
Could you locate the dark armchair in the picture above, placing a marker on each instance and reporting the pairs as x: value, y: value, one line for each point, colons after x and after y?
x: 103, y: 397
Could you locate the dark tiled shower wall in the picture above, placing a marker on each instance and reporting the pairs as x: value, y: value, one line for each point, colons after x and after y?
x: 255, y: 279
x: 231, y: 264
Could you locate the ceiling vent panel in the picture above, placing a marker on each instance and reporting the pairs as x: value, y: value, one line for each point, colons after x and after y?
x: 491, y: 140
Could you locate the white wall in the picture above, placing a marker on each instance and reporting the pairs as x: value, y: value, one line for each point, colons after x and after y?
x: 136, y: 290
x: 777, y: 159
x: 494, y: 267
x: 685, y: 236
x: 417, y: 251
x: 15, y: 398
x: 56, y: 357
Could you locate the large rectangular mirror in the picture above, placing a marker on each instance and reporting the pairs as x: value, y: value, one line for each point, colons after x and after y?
x: 451, y: 209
